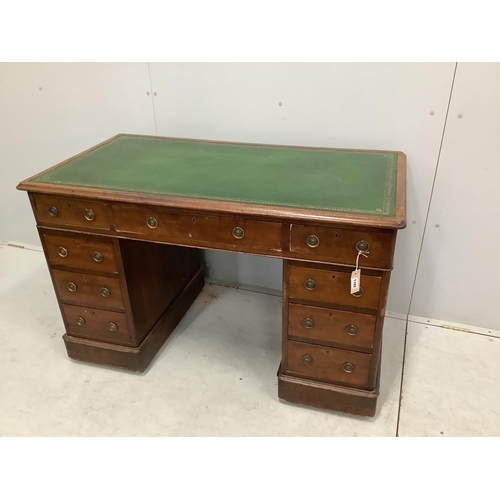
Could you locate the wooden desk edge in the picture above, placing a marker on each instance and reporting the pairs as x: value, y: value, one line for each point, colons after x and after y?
x: 222, y: 207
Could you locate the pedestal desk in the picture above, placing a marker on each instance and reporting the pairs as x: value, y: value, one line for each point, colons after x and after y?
x: 122, y: 226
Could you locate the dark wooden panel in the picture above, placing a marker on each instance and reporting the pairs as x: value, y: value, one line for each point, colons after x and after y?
x: 96, y: 324
x: 338, y: 245
x: 174, y: 227
x: 327, y: 396
x: 377, y: 343
x: 88, y: 289
x: 155, y: 274
x: 333, y: 287
x: 70, y: 212
x: 329, y: 325
x: 284, y: 313
x: 327, y: 364
x: 80, y: 250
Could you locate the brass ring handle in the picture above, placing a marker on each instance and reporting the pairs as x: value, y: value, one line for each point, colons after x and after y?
x: 71, y: 286
x: 312, y: 241
x: 80, y: 321
x: 112, y: 327
x: 308, y: 322
x: 351, y: 330
x: 348, y: 367
x: 97, y: 256
x: 359, y: 293
x: 53, y: 211
x: 89, y: 214
x: 62, y: 252
x: 310, y: 284
x: 152, y: 223
x: 104, y: 292
x: 362, y: 246
x: 306, y: 359
x: 238, y: 233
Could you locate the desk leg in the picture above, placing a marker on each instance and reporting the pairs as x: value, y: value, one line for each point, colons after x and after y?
x: 158, y: 285
x: 137, y: 358
x: 328, y: 394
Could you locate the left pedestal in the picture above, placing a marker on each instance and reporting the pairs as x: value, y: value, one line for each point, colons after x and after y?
x: 120, y: 299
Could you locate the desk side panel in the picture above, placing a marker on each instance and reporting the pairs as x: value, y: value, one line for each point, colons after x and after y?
x: 155, y: 274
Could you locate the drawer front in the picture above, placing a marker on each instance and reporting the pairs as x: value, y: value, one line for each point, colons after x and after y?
x: 74, y: 212
x: 332, y: 287
x: 80, y: 253
x: 88, y: 289
x: 183, y: 228
x: 328, y: 325
x: 339, y: 245
x: 96, y: 324
x: 328, y: 364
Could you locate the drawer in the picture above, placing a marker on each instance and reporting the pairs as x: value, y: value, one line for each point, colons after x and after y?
x: 332, y: 287
x: 74, y: 212
x: 88, y: 289
x: 328, y: 325
x: 327, y: 364
x: 340, y: 245
x: 181, y: 228
x: 80, y: 253
x: 107, y: 326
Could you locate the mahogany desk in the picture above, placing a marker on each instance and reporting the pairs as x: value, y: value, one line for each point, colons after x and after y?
x: 122, y: 225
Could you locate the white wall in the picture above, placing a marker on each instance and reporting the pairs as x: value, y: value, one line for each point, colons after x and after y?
x: 78, y: 106
x: 400, y: 106
x: 458, y: 277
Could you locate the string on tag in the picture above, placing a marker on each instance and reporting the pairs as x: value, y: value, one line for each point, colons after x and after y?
x: 364, y: 254
x: 356, y: 274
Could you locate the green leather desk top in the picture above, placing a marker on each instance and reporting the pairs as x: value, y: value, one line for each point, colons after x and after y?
x: 358, y: 182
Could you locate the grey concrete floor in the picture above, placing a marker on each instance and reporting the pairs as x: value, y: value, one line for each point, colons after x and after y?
x: 216, y: 374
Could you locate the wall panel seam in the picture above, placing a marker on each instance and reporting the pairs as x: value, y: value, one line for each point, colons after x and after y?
x: 152, y: 98
x: 432, y: 191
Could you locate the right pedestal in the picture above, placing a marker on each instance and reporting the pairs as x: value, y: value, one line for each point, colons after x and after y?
x: 332, y: 339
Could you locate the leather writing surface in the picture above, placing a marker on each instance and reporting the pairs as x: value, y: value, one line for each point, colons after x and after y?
x: 320, y: 179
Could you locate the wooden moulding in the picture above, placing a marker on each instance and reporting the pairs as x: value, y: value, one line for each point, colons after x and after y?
x: 327, y: 396
x: 137, y: 358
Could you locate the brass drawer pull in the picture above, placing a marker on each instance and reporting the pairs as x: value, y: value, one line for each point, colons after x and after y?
x: 238, y: 233
x: 359, y: 293
x: 306, y: 359
x: 312, y: 241
x: 97, y: 256
x: 104, y: 292
x: 71, y: 286
x: 53, y: 211
x: 308, y: 322
x: 89, y: 214
x: 80, y: 321
x: 112, y: 327
x: 351, y: 330
x: 152, y: 223
x: 348, y: 367
x: 362, y: 246
x: 62, y: 252
x: 310, y: 284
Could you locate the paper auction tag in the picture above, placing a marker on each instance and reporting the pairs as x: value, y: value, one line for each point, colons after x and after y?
x: 355, y: 281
